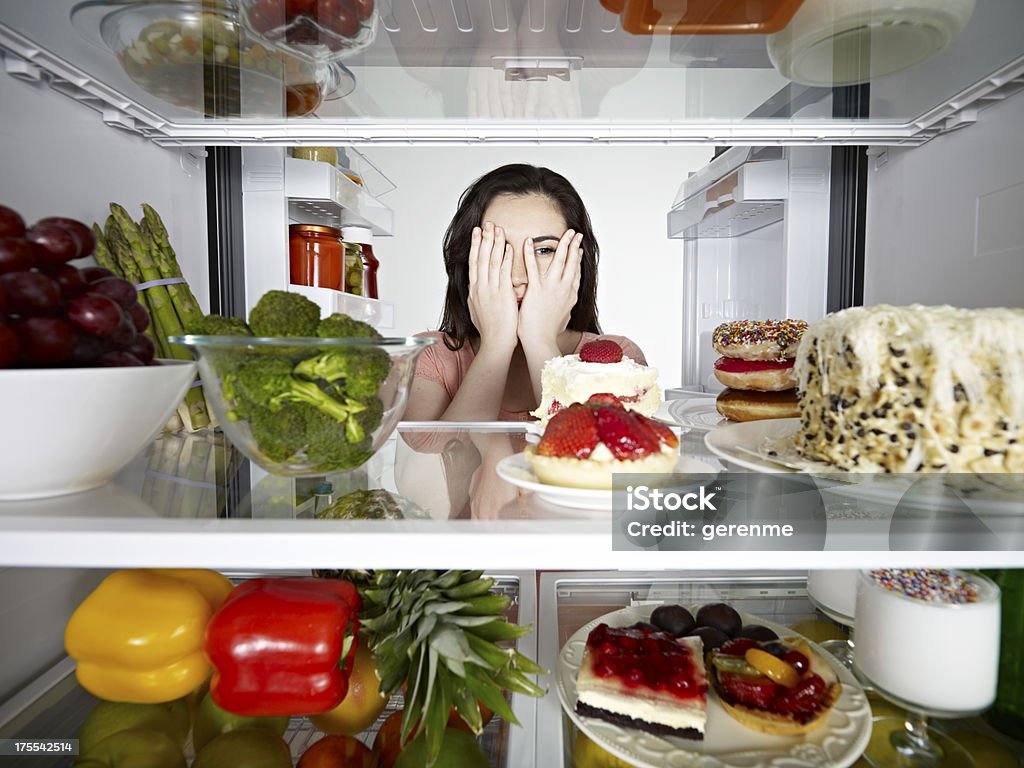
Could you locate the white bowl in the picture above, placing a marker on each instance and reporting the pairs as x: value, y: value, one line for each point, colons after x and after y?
x: 843, y: 42
x: 65, y: 430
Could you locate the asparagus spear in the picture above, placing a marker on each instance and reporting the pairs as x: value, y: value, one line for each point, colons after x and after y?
x: 162, y: 308
x: 105, y: 258
x: 152, y: 227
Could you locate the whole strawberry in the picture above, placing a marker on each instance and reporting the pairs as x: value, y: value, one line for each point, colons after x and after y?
x: 601, y: 351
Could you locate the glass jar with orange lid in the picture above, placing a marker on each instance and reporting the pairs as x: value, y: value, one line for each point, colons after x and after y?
x: 316, y: 255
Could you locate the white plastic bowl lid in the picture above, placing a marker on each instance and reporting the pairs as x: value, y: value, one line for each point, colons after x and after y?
x: 844, y: 42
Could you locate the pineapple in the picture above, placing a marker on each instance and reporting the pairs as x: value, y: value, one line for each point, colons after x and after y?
x: 438, y: 633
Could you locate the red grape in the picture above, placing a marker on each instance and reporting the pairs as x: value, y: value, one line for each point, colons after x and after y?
x: 117, y: 288
x: 364, y: 9
x: 87, y: 350
x: 45, y: 339
x: 94, y: 313
x: 16, y: 254
x: 11, y: 223
x: 8, y: 346
x: 30, y: 292
x: 119, y: 358
x: 123, y: 336
x: 67, y: 277
x: 143, y: 348
x: 139, y: 316
x: 83, y: 236
x: 56, y: 244
x: 92, y: 274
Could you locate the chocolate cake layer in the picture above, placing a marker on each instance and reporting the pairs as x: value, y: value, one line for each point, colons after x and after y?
x: 661, y: 730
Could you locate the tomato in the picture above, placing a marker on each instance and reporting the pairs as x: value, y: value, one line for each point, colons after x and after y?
x: 387, y: 745
x: 364, y: 9
x: 337, y: 752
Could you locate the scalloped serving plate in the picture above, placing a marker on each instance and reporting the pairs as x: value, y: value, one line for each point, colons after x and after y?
x: 727, y: 744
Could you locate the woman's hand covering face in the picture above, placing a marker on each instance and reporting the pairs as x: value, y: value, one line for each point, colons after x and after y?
x: 492, y: 300
x: 551, y: 289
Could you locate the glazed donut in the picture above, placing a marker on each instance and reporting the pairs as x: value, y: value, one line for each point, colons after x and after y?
x: 762, y: 375
x: 758, y: 339
x: 743, y: 405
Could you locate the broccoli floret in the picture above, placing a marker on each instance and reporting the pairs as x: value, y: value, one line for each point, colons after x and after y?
x: 280, y: 313
x: 268, y: 382
x: 339, y: 326
x: 331, y: 446
x: 280, y: 434
x: 370, y: 419
x: 358, y: 371
x: 215, y: 325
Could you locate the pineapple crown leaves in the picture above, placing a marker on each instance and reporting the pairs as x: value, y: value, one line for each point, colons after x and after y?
x: 438, y: 633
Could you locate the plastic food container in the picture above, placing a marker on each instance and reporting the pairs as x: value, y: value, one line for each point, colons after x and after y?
x: 843, y: 42
x: 318, y: 31
x: 702, y: 17
x: 315, y: 255
x: 320, y: 154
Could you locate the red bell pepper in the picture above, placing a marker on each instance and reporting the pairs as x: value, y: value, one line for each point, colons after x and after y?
x: 283, y: 646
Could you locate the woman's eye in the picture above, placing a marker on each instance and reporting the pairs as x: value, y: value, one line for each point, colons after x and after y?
x: 544, y: 251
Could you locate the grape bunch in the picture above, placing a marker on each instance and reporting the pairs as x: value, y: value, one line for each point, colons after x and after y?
x: 55, y: 315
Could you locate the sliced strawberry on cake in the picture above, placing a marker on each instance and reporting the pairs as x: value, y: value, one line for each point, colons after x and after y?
x: 645, y: 679
x: 599, y: 368
x: 781, y: 687
x: 584, y: 445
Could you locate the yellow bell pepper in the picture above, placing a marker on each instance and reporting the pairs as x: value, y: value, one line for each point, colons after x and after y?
x: 139, y: 636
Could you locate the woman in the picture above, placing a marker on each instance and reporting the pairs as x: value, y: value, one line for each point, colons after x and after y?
x: 521, y: 259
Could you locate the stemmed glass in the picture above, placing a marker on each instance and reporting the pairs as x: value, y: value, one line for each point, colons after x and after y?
x: 928, y: 641
x: 834, y: 593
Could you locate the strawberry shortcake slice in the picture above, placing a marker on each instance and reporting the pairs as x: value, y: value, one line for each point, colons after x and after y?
x: 599, y: 367
x: 584, y: 445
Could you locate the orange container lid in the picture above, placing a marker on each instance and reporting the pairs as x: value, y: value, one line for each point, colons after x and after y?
x: 703, y: 17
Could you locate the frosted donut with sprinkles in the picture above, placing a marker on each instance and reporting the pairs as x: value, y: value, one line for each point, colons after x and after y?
x: 759, y: 339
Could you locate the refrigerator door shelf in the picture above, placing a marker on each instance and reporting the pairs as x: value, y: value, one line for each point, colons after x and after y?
x: 379, y: 314
x: 747, y: 199
x: 319, y: 193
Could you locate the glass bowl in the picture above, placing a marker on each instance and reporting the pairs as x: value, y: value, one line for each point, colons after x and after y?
x: 314, y: 30
x: 196, y: 55
x: 306, y: 406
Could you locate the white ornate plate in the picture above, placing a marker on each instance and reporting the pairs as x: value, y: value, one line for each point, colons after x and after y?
x: 747, y: 445
x: 516, y: 469
x: 727, y: 744
x: 699, y: 413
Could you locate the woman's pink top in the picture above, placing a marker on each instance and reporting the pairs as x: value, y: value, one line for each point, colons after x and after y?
x: 448, y: 368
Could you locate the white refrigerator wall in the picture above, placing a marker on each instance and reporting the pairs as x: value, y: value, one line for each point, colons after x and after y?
x: 945, y: 221
x: 59, y: 159
x: 628, y: 192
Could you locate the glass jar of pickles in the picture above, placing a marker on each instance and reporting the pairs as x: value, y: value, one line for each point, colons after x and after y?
x: 363, y: 238
x: 353, y: 281
x: 315, y: 255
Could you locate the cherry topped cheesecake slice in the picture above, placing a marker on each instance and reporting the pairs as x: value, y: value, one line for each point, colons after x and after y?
x: 646, y: 679
x: 584, y: 445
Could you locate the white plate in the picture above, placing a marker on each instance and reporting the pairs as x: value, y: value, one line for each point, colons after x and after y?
x: 734, y: 441
x: 836, y: 743
x: 699, y: 414
x: 516, y: 469
x: 738, y: 444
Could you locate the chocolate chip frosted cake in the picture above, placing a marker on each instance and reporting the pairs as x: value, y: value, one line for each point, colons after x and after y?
x: 914, y: 389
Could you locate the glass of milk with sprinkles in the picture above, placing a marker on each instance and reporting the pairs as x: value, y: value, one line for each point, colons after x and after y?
x: 928, y: 640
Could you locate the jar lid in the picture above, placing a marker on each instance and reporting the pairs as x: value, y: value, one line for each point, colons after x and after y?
x: 362, y: 235
x: 318, y: 228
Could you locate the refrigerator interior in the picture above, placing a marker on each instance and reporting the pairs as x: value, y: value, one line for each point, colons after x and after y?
x: 943, y: 226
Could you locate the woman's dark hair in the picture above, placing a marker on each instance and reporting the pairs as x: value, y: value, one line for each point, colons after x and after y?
x: 517, y: 180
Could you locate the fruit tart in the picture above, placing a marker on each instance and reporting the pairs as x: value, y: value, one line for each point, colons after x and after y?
x: 585, y: 444
x: 780, y: 686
